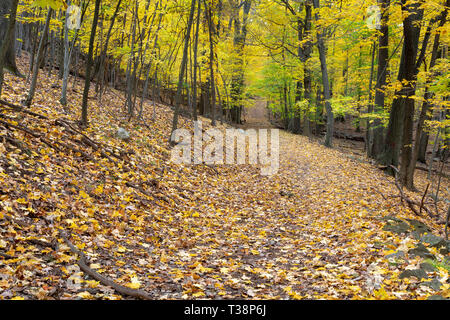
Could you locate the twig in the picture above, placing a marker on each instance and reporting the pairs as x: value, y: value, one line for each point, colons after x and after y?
x: 21, y: 109
x: 423, y: 198
x: 447, y: 222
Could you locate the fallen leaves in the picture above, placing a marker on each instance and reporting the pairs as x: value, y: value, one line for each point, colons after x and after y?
x: 314, y: 231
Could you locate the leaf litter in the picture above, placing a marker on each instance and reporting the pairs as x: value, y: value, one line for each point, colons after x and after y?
x: 316, y: 230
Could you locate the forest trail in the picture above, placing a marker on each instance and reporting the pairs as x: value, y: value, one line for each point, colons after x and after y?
x: 312, y: 231
x: 257, y: 116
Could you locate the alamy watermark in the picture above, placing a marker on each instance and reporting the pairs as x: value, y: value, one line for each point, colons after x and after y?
x: 73, y: 17
x: 374, y: 17
x: 216, y: 147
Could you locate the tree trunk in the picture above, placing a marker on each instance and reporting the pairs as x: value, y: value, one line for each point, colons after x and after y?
x: 421, y: 139
x: 131, y: 76
x: 375, y: 147
x: 211, y: 64
x: 403, y: 105
x: 182, y: 70
x: 38, y: 59
x: 87, y: 83
x: 8, y: 40
x: 66, y: 64
x: 411, y: 33
x: 239, y: 40
x: 194, y: 89
x: 326, y: 82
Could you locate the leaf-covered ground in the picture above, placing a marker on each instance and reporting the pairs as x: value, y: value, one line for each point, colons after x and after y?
x: 327, y: 226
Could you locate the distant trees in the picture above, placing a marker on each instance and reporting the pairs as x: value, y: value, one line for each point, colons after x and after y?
x: 353, y: 51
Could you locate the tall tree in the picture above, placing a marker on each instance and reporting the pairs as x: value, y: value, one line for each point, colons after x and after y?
x: 7, y: 41
x: 194, y: 80
x: 375, y: 133
x: 211, y: 62
x: 104, y: 51
x: 411, y: 32
x: 87, y: 82
x: 442, y: 18
x: 38, y: 59
x: 239, y: 40
x: 182, y: 69
x: 403, y: 105
x: 325, y: 80
x: 8, y: 8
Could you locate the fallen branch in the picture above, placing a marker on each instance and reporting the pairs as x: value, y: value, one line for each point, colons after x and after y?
x: 423, y: 198
x: 21, y: 109
x: 83, y: 264
x: 411, y: 203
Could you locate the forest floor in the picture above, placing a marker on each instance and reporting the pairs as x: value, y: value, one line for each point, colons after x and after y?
x: 328, y: 225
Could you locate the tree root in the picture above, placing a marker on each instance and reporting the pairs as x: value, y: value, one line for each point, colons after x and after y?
x: 83, y: 264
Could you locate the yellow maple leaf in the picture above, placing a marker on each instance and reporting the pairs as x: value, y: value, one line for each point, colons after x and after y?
x: 21, y: 201
x: 134, y: 284
x: 83, y: 194
x: 198, y: 294
x: 85, y: 295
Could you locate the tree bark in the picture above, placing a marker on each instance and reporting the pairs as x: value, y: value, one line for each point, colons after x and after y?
x: 38, y: 59
x: 411, y: 34
x: 326, y: 82
x: 211, y: 64
x: 7, y: 40
x: 87, y: 83
x: 182, y: 70
x: 194, y: 89
x: 420, y: 144
x: 375, y: 147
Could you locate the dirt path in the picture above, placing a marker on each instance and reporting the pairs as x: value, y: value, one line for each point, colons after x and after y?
x: 257, y: 116
x: 311, y: 231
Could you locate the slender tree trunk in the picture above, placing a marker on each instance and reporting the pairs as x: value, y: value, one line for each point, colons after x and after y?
x: 38, y: 59
x: 307, y: 73
x: 105, y: 50
x: 426, y: 104
x: 326, y: 82
x: 149, y: 68
x: 375, y: 147
x: 194, y: 89
x: 130, y: 73
x: 411, y: 34
x: 63, y: 99
x: 84, y: 106
x: 240, y: 36
x: 182, y: 70
x: 211, y: 64
x: 369, y: 133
